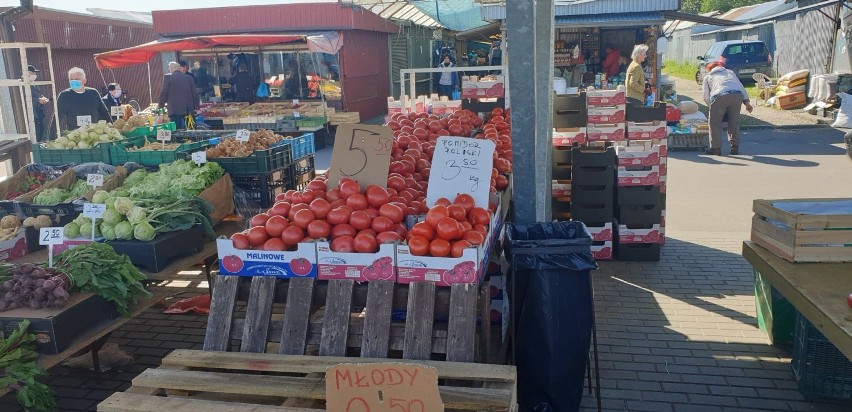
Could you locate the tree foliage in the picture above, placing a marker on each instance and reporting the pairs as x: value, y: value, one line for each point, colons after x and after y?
x: 696, y: 6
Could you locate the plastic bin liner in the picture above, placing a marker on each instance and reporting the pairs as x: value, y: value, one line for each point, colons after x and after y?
x: 552, y: 311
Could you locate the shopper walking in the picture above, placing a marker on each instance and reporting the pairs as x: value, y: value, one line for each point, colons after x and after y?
x: 447, y: 81
x: 78, y: 104
x: 724, y: 95
x: 178, y: 95
x: 245, y: 86
x: 635, y: 81
x: 39, y: 100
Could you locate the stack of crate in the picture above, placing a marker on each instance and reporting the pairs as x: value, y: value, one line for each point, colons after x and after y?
x: 593, y: 195
x: 642, y: 185
x: 569, y: 132
x: 607, y: 115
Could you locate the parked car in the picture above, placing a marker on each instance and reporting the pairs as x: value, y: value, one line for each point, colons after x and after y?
x: 743, y: 57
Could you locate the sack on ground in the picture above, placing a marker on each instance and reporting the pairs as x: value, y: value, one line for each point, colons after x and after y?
x: 844, y: 115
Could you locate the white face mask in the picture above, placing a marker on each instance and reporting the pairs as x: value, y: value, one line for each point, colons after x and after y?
x: 33, y: 77
x: 115, y: 93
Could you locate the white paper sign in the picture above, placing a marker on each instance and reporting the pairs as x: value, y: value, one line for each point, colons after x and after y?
x: 95, y: 179
x: 84, y: 120
x: 93, y: 210
x: 51, y: 236
x: 164, y: 135
x: 295, y: 102
x: 297, y: 115
x: 243, y: 135
x: 199, y: 157
x: 117, y: 111
x: 461, y: 165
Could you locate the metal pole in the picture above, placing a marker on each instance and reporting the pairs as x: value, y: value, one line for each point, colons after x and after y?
x: 531, y: 162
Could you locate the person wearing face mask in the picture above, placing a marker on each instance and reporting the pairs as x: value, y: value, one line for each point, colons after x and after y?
x: 79, y: 105
x: 39, y: 100
x: 113, y: 97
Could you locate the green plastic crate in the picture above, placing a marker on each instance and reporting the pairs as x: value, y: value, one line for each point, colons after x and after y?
x: 311, y: 121
x: 119, y: 154
x: 775, y: 315
x: 146, y: 131
x: 261, y: 161
x: 98, y: 154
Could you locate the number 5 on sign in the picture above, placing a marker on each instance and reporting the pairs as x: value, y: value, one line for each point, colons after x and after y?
x: 362, y: 153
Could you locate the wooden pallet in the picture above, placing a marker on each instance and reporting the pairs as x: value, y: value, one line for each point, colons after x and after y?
x: 803, y: 237
x: 344, y: 118
x: 284, y: 320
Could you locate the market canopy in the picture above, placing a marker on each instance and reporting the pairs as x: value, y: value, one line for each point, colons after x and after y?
x: 320, y: 42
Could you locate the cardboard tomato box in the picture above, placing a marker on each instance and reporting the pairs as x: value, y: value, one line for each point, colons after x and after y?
x: 560, y: 188
x: 569, y: 136
x: 602, y: 250
x: 14, y: 247
x: 602, y: 233
x: 638, y: 156
x: 647, y: 176
x: 394, y: 107
x: 446, y: 107
x: 606, y: 97
x: 647, y: 131
x: 72, y: 243
x: 237, y: 262
x: 653, y: 234
x: 607, y: 114
x: 360, y: 267
x: 606, y: 132
x: 483, y: 88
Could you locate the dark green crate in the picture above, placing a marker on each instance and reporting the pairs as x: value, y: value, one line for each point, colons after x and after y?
x: 261, y: 161
x: 820, y: 369
x: 775, y: 315
x: 311, y: 121
x: 97, y: 154
x: 145, y: 131
x: 119, y: 154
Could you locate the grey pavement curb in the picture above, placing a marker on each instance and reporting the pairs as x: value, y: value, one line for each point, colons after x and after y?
x: 788, y: 126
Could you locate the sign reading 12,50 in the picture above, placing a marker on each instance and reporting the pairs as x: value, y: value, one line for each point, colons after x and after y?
x: 362, y: 153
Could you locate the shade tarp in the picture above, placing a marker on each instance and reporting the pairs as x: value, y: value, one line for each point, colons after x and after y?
x: 321, y: 43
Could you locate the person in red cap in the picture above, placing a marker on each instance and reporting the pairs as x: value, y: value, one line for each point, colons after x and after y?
x: 724, y: 95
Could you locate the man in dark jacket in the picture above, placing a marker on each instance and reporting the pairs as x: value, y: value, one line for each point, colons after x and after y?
x: 78, y: 104
x: 245, y: 86
x: 39, y: 100
x: 178, y: 95
x: 113, y: 97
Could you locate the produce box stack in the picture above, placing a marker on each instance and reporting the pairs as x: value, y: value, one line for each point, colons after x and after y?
x: 607, y: 114
x: 642, y: 184
x: 593, y: 195
x: 569, y: 132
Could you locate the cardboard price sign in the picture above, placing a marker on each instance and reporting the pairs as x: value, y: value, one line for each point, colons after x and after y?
x: 382, y: 387
x: 51, y: 236
x: 199, y: 158
x: 93, y: 210
x: 362, y: 153
x: 164, y: 135
x: 95, y: 179
x: 116, y: 111
x: 84, y: 120
x: 461, y: 165
x: 243, y: 135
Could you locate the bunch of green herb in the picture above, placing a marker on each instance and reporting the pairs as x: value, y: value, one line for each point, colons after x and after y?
x: 96, y: 268
x: 18, y: 370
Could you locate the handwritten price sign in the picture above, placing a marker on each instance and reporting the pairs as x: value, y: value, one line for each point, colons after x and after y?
x: 243, y: 135
x: 199, y: 158
x: 382, y: 387
x: 51, y: 236
x: 461, y: 165
x: 95, y: 179
x: 93, y: 210
x: 164, y: 135
x: 116, y: 111
x: 362, y: 153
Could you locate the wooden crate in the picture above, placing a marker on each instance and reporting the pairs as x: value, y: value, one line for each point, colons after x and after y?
x: 284, y: 320
x: 804, y: 237
x: 344, y: 118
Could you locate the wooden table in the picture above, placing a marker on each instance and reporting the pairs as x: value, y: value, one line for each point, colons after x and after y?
x: 817, y: 290
x: 18, y: 151
x: 95, y: 339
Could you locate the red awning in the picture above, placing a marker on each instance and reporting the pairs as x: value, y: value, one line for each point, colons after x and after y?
x: 144, y: 52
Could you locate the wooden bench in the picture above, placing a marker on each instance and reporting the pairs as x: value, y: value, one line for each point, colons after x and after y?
x: 334, y: 319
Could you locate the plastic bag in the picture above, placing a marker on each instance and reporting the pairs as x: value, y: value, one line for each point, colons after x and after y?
x: 198, y: 304
x: 133, y: 166
x: 83, y: 170
x: 50, y: 172
x: 262, y: 90
x: 245, y: 206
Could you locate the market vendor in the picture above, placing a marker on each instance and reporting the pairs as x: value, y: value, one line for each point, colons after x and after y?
x: 636, y: 76
x: 611, y: 63
x: 79, y: 105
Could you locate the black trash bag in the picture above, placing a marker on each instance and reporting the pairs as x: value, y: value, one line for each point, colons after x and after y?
x: 552, y: 311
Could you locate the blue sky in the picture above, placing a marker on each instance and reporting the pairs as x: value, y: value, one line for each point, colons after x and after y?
x: 148, y: 5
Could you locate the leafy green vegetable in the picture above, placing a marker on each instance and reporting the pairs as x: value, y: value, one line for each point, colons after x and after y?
x: 50, y: 197
x: 100, y: 197
x: 72, y: 230
x: 96, y: 268
x: 135, y: 177
x: 124, y: 231
x: 79, y: 189
x: 19, y: 370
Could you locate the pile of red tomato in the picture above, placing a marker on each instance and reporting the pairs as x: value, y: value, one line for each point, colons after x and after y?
x: 415, y: 135
x: 352, y: 219
x: 450, y: 228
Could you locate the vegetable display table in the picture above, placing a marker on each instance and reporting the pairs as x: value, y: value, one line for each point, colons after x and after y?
x: 817, y: 290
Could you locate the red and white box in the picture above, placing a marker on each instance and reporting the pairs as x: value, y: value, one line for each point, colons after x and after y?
x: 654, y: 234
x: 606, y: 132
x: 606, y: 97
x: 445, y: 107
x: 646, y: 176
x: 569, y: 136
x: 639, y: 156
x: 360, y: 267
x: 664, y: 169
x: 483, y: 88
x: 560, y: 188
x: 15, y: 246
x: 601, y: 234
x: 301, y: 263
x: 394, y: 106
x: 444, y: 271
x: 602, y: 251
x: 647, y: 131
x: 649, y: 145
x: 607, y: 114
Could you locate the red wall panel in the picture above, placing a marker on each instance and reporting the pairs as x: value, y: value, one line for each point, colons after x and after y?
x: 364, y: 63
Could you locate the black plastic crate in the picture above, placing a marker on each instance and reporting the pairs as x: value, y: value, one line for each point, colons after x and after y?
x: 640, y: 214
x: 583, y: 157
x: 638, y: 252
x: 591, y: 212
x: 302, y: 171
x: 155, y: 255
x: 61, y: 214
x: 262, y: 188
x: 261, y: 161
x: 644, y: 114
x: 820, y: 368
x: 570, y: 111
x: 561, y: 172
x: 593, y: 175
x: 639, y: 195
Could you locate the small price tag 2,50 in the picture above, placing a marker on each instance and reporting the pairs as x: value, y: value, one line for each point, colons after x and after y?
x: 49, y: 236
x: 95, y: 180
x: 117, y: 111
x: 84, y: 120
x: 243, y: 135
x: 297, y: 115
x: 93, y: 210
x: 164, y: 135
x: 199, y: 158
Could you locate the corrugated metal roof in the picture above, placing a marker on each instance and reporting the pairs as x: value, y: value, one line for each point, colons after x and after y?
x: 136, y: 16
x: 402, y: 10
x: 612, y: 20
x: 598, y: 7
